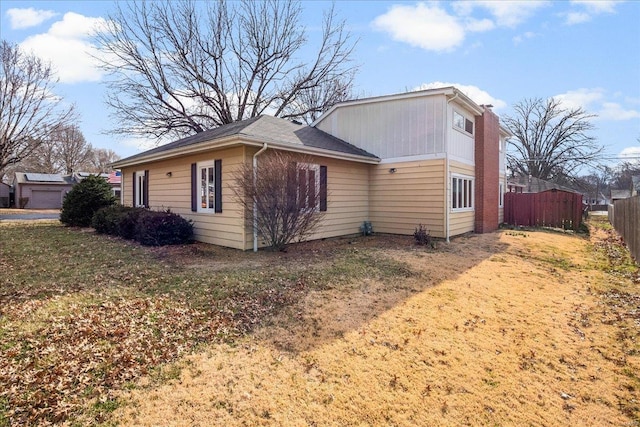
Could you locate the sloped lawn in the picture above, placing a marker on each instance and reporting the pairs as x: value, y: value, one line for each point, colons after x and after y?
x: 510, y: 328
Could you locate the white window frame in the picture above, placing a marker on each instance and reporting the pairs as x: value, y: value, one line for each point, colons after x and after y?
x: 459, y: 122
x: 210, y: 180
x: 140, y: 196
x: 501, y: 195
x: 464, y: 202
x: 316, y: 169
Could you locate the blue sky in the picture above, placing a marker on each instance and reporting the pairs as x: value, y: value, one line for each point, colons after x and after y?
x: 499, y: 52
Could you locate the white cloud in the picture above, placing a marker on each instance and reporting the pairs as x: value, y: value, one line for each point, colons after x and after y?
x: 614, y: 111
x: 522, y: 37
x: 426, y: 26
x: 67, y: 46
x: 26, y: 18
x: 142, y: 144
x: 630, y: 153
x: 476, y: 94
x: 595, y: 101
x: 506, y: 13
x: 580, y: 98
x: 431, y: 27
x: 585, y: 10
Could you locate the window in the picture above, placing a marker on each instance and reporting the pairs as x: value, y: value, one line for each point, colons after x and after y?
x: 462, y: 123
x: 461, y: 193
x: 308, y: 186
x: 501, y: 195
x: 141, y: 189
x: 206, y: 178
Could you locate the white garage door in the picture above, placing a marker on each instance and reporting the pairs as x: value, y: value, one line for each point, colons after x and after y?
x: 45, y: 200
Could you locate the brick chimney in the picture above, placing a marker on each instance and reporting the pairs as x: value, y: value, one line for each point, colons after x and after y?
x: 487, y: 157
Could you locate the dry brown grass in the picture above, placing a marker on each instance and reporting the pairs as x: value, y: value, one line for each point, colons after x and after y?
x: 511, y: 328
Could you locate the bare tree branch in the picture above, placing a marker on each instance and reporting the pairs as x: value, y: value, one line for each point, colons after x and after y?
x: 282, y: 213
x: 29, y: 110
x: 177, y: 70
x: 550, y: 142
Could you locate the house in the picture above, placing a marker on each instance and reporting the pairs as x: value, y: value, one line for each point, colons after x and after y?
x: 113, y: 178
x: 432, y: 157
x: 5, y: 194
x: 530, y: 184
x: 619, y: 195
x: 41, y: 190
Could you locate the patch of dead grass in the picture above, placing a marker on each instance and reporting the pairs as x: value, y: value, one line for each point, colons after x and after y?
x: 496, y: 329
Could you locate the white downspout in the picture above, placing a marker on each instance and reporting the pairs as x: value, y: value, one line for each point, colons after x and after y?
x: 447, y: 179
x: 255, y: 207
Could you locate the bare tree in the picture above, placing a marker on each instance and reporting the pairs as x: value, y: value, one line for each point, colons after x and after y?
x: 177, y: 70
x: 72, y: 150
x: 29, y: 110
x: 550, y: 142
x: 280, y: 195
x: 101, y: 159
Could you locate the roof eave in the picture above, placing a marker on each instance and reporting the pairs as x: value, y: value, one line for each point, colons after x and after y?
x: 237, y: 140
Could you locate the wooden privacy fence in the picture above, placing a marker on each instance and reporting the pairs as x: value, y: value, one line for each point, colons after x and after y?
x: 625, y: 217
x: 552, y: 208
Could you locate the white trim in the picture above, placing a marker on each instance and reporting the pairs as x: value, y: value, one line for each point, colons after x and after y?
x: 412, y: 158
x: 316, y: 169
x: 206, y: 165
x: 470, y: 178
x: 139, y: 189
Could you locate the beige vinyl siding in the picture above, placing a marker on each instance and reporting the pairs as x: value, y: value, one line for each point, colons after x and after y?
x: 413, y: 195
x: 461, y: 222
x: 347, y: 199
x: 174, y: 192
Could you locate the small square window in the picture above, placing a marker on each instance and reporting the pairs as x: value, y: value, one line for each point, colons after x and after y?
x: 462, y: 123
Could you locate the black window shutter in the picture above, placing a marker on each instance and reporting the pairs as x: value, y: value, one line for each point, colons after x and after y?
x: 134, y: 189
x: 323, y: 188
x: 218, y: 185
x: 145, y: 193
x: 194, y: 187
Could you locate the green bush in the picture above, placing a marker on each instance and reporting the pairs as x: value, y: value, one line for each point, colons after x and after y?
x: 85, y: 199
x: 163, y: 228
x: 107, y: 220
x: 129, y: 222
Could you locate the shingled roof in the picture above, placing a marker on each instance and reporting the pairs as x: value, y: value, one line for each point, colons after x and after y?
x: 263, y: 129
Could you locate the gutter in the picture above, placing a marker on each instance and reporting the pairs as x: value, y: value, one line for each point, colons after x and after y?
x: 255, y: 207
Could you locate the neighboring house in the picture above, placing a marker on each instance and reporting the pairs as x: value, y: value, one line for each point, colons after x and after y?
x: 112, y: 178
x: 431, y: 157
x: 529, y: 184
x: 619, y: 195
x: 41, y: 190
x: 5, y: 194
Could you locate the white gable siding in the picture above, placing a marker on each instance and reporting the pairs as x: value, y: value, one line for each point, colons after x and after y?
x: 392, y: 128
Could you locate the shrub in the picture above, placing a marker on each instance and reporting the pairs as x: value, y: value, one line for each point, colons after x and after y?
x: 422, y: 236
x: 162, y: 228
x: 85, y: 199
x: 129, y: 222
x: 107, y: 220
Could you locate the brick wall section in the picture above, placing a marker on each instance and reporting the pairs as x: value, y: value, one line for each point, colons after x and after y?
x: 487, y: 171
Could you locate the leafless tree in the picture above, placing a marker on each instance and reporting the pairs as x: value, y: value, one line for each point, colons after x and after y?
x: 286, y: 208
x: 29, y: 110
x: 73, y: 151
x: 101, y: 159
x: 550, y: 142
x: 180, y: 67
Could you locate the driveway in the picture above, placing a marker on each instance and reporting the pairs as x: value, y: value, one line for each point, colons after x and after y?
x: 23, y: 214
